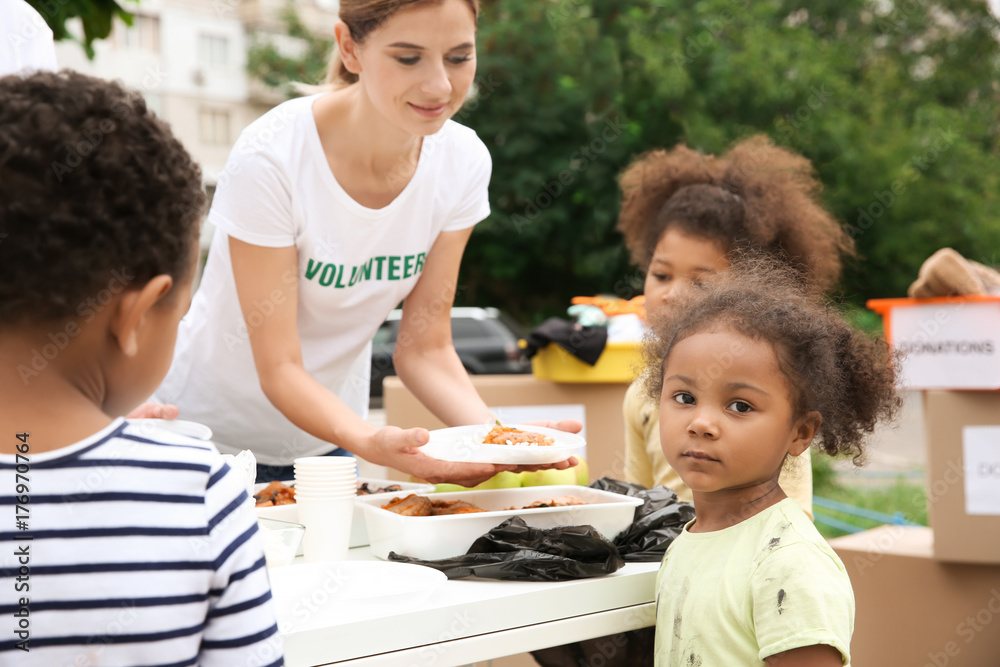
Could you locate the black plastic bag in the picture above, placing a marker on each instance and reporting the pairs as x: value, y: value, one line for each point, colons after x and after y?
x: 584, y: 343
x: 514, y: 550
x: 657, y: 522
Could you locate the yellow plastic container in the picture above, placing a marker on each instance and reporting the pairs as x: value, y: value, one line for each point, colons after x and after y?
x: 620, y: 362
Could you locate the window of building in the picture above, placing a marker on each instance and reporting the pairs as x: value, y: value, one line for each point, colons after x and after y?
x: 213, y: 51
x: 214, y: 127
x: 142, y: 35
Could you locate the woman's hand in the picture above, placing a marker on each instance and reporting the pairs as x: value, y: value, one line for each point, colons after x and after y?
x: 568, y: 425
x: 154, y: 411
x: 400, y: 449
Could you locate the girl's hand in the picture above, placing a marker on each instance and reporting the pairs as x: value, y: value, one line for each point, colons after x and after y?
x: 392, y: 446
x: 154, y: 411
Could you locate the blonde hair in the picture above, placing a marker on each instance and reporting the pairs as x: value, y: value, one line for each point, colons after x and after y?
x: 362, y: 18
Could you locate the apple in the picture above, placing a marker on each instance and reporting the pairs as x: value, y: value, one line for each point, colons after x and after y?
x: 549, y: 477
x: 501, y: 480
x: 582, y: 472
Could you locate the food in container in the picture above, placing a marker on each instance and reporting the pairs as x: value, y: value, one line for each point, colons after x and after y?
x: 359, y: 534
x: 414, y: 505
x: 279, y: 493
x: 434, y: 537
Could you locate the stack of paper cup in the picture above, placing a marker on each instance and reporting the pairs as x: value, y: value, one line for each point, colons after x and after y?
x: 325, y: 489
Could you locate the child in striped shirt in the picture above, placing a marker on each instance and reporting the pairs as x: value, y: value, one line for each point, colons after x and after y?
x: 123, y: 544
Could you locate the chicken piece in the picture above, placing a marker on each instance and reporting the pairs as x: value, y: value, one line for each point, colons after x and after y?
x: 559, y: 501
x: 445, y: 507
x: 275, y: 493
x: 411, y: 505
x: 366, y: 489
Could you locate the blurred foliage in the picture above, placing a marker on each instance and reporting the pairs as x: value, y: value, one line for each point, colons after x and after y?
x: 907, y: 496
x: 896, y: 104
x: 281, y: 70
x: 96, y: 16
x: 861, y: 318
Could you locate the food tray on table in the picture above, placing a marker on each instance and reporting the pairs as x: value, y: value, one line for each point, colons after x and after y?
x: 434, y: 537
x: 359, y: 533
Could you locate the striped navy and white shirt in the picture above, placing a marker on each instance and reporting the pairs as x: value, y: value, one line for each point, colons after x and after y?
x: 143, y: 552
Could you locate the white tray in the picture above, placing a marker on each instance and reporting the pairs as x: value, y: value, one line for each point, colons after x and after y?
x: 434, y: 537
x: 359, y: 533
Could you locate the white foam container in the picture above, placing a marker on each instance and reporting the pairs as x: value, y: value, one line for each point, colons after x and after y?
x: 434, y: 537
x: 359, y: 532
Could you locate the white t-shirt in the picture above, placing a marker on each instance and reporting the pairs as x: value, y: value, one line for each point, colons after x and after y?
x: 25, y: 39
x: 355, y: 265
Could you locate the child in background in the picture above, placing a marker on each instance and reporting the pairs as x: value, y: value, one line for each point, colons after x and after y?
x: 683, y: 215
x: 747, y: 373
x: 133, y: 545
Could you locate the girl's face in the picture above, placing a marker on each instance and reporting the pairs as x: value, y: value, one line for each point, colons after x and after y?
x: 418, y: 66
x: 680, y: 260
x: 726, y: 416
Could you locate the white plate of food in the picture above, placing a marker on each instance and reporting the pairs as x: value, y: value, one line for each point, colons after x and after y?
x: 519, y: 444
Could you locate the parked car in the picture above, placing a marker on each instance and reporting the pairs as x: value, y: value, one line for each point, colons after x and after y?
x: 485, y: 339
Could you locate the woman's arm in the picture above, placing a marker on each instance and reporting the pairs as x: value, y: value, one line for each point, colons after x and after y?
x: 425, y: 357
x: 270, y: 274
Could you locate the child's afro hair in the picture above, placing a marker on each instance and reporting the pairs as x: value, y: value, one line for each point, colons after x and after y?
x: 757, y: 195
x: 92, y: 186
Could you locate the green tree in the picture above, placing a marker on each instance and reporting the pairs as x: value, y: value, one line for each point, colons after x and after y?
x: 894, y: 103
x: 280, y: 71
x: 96, y: 16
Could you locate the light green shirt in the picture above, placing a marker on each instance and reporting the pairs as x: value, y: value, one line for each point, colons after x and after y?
x: 739, y: 595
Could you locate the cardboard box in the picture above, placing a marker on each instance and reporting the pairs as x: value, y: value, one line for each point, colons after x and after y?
x: 602, y: 411
x: 963, y: 475
x: 946, y: 342
x: 914, y: 611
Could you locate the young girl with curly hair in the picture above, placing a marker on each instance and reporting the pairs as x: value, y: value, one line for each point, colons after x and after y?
x: 747, y: 373
x: 683, y: 215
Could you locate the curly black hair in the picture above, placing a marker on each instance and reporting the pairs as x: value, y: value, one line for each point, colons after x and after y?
x: 838, y: 371
x: 757, y: 195
x: 93, y: 187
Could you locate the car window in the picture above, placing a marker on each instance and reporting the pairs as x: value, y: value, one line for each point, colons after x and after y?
x: 468, y: 328
x: 511, y: 324
x: 386, y: 333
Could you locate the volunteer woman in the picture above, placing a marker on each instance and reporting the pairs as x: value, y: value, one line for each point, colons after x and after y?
x: 332, y: 209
